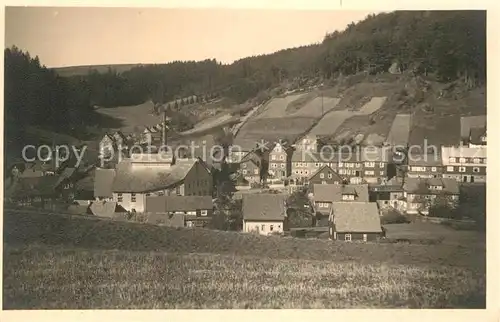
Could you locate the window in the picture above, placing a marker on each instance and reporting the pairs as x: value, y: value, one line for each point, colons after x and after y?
x: 279, y: 226
x: 365, y: 237
x: 120, y: 197
x: 282, y: 157
x: 322, y: 175
x: 178, y: 190
x: 433, y: 169
x: 243, y: 165
x: 381, y: 173
x: 161, y: 193
x: 358, y: 165
x: 282, y: 165
x: 262, y: 227
x: 381, y: 165
x: 449, y: 169
x: 452, y: 160
x: 370, y: 164
x: 475, y: 169
x: 273, y: 157
x: 347, y: 237
x: 133, y: 198
x: 244, y: 171
x: 148, y: 194
x: 271, y: 227
x: 256, y: 171
x: 369, y: 173
x: 341, y: 164
x: 330, y: 176
x: 461, y: 169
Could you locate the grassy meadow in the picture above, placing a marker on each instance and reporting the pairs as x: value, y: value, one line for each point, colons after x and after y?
x: 53, y: 261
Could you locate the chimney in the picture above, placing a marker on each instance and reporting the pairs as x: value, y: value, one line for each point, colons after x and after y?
x: 164, y: 129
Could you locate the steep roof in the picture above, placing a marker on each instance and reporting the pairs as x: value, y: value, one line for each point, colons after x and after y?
x: 421, y: 186
x: 476, y: 134
x: 131, y: 178
x: 335, y: 175
x: 103, y: 182
x: 469, y: 122
x: 105, y: 208
x: 334, y: 192
x: 264, y: 206
x: 178, y: 203
x: 356, y: 217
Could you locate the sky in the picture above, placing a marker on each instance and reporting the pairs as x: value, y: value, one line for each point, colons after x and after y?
x: 94, y: 36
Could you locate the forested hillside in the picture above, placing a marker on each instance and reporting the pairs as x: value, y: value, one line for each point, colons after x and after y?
x: 446, y: 45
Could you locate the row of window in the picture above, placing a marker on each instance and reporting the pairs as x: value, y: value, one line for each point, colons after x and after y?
x: 199, y: 183
x: 462, y: 169
x: 263, y: 227
x: 372, y: 173
x: 276, y: 165
x: 467, y: 160
x: 255, y: 172
x: 340, y: 164
x: 275, y: 157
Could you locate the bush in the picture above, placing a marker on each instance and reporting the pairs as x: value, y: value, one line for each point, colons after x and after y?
x: 392, y: 216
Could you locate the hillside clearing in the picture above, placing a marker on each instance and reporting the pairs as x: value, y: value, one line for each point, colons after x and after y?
x: 400, y: 130
x: 134, y: 118
x: 277, y: 106
x: 330, y: 122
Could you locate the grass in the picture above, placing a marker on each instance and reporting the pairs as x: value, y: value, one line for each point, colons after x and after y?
x: 56, y: 262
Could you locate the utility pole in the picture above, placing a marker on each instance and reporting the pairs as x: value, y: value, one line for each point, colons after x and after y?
x: 322, y: 107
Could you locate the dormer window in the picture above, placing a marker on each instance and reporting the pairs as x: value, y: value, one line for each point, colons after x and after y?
x: 435, y: 187
x: 346, y: 196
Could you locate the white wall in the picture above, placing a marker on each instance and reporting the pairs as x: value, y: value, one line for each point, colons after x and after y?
x: 262, y: 227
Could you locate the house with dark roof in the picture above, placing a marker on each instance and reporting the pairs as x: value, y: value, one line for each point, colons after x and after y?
x: 196, y: 211
x: 28, y: 191
x: 388, y: 194
x: 136, y: 179
x: 263, y: 213
x: 323, y: 195
x: 354, y: 221
x: 103, y: 184
x: 325, y: 175
x: 377, y: 164
x: 473, y: 128
x: 249, y: 167
x: 428, y: 165
x: 420, y: 194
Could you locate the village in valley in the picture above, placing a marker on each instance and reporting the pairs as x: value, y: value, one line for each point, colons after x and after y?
x: 348, y: 189
x: 348, y: 173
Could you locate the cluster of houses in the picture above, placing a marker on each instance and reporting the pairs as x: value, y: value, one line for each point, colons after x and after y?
x: 347, y: 193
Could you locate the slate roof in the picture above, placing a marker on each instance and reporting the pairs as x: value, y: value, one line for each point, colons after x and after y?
x: 469, y: 122
x: 356, y: 217
x: 264, y: 206
x: 333, y: 192
x: 137, y: 179
x: 335, y: 175
x: 178, y: 203
x: 103, y: 182
x: 421, y: 186
x: 476, y: 134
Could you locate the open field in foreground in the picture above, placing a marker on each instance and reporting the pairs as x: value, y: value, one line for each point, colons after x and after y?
x: 57, y: 262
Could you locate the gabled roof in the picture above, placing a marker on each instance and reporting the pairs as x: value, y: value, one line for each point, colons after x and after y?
x: 469, y: 122
x: 144, y: 179
x: 335, y: 175
x: 264, y: 206
x: 334, y: 192
x: 178, y: 203
x: 476, y: 134
x: 421, y: 186
x: 356, y: 217
x: 105, y: 208
x: 103, y: 182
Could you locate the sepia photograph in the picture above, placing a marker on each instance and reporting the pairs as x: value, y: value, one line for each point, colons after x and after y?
x: 217, y: 158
